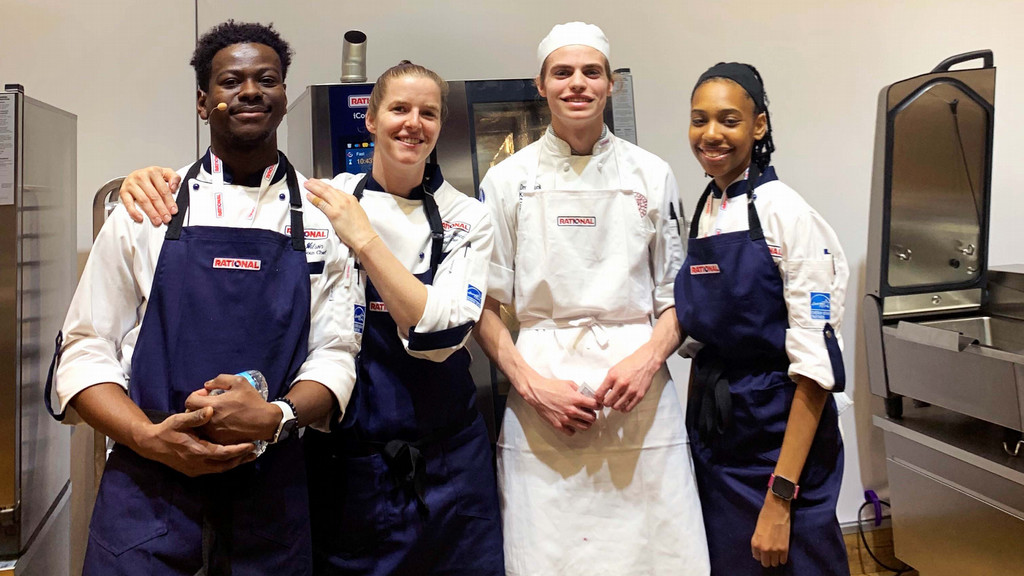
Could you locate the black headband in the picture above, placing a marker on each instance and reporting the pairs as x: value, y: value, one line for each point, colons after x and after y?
x: 741, y: 74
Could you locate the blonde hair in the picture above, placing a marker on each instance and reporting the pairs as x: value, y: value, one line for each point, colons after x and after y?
x: 401, y: 70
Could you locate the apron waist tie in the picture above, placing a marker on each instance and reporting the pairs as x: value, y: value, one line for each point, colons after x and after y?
x: 405, y: 459
x: 713, y: 397
x: 409, y: 468
x: 714, y: 401
x: 591, y: 323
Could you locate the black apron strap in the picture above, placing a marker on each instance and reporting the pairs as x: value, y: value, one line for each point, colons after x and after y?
x: 714, y: 412
x: 49, y: 377
x: 436, y: 231
x: 295, y: 194
x: 408, y: 466
x: 433, y: 217
x: 694, y: 224
x: 429, y: 206
x: 753, y: 221
x: 297, y: 229
x: 358, y: 192
x: 184, y: 189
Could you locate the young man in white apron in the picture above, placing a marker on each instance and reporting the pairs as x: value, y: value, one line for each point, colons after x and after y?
x: 593, y: 464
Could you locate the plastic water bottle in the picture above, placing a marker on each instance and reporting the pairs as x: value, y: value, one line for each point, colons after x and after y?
x: 256, y: 379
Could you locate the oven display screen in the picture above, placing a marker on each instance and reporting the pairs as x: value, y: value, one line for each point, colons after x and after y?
x: 358, y: 157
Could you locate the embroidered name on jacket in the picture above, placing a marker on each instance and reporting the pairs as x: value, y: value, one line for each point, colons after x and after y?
x: 698, y: 269
x: 236, y: 264
x: 586, y: 221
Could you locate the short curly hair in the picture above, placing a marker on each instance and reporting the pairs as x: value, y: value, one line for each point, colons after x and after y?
x: 227, y: 33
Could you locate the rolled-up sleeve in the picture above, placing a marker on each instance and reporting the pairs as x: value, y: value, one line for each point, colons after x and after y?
x: 101, y: 325
x: 455, y: 297
x: 815, y: 274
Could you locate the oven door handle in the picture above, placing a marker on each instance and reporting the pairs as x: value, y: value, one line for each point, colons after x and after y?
x: 986, y: 55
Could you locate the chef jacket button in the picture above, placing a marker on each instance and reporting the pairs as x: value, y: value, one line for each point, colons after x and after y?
x: 195, y: 185
x: 600, y: 165
x: 280, y: 196
x: 565, y: 168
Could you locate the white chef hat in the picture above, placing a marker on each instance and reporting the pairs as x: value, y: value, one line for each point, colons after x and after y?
x: 572, y: 33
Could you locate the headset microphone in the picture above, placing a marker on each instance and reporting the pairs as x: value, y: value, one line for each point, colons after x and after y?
x: 222, y: 107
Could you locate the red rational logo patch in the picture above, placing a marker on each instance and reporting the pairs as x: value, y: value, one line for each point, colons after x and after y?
x: 577, y: 221
x: 378, y: 307
x: 236, y: 264
x: 704, y: 269
x: 310, y: 233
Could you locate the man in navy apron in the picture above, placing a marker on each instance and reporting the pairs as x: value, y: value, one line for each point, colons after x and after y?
x: 243, y: 277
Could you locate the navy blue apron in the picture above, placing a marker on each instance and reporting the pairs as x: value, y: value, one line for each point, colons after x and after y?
x: 204, y: 319
x: 405, y: 483
x: 729, y: 295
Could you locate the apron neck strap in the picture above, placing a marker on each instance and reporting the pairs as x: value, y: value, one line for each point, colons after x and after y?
x: 184, y: 191
x: 295, y: 199
x: 753, y: 221
x: 695, y: 221
x: 429, y: 206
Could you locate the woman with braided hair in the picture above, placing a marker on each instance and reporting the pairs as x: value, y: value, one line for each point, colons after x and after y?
x: 760, y: 298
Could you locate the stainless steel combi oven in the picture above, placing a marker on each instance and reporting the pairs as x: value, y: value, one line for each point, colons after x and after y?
x: 944, y: 332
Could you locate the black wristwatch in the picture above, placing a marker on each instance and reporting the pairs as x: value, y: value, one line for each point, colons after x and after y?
x: 289, y: 420
x: 783, y: 488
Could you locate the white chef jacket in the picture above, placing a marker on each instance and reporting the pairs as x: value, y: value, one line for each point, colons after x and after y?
x: 809, y: 258
x: 613, y: 161
x: 107, y: 311
x: 455, y: 297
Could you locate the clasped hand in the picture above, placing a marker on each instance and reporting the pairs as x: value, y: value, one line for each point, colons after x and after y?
x: 628, y: 381
x: 561, y: 405
x: 240, y: 414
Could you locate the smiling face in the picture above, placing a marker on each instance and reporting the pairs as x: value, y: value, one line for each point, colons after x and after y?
x: 248, y: 78
x: 723, y: 129
x: 407, y: 122
x: 576, y: 83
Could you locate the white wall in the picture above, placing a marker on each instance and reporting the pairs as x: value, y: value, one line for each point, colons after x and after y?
x: 823, y: 63
x: 121, y: 66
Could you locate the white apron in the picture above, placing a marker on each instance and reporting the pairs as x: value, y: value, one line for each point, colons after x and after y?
x: 619, y: 499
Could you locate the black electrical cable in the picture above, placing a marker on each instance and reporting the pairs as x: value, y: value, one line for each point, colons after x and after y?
x: 864, y: 540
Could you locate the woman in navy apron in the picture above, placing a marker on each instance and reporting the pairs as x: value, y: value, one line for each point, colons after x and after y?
x: 404, y: 484
x: 760, y: 297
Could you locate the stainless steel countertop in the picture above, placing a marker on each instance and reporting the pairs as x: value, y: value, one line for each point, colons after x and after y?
x: 970, y: 440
